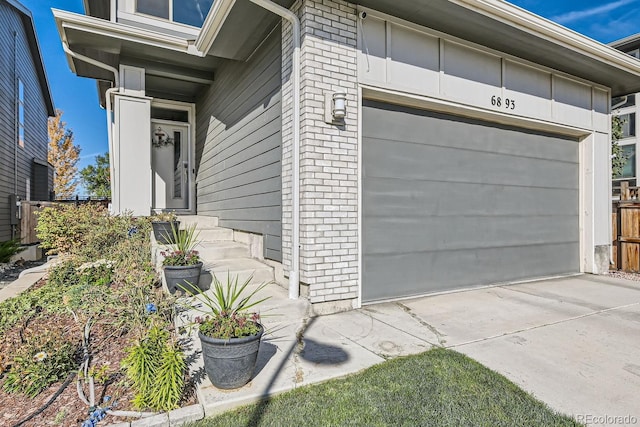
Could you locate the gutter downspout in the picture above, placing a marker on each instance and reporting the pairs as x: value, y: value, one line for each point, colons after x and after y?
x: 294, y: 274
x: 16, y: 125
x: 108, y: 106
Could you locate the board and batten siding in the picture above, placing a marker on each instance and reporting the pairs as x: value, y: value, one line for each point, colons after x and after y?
x: 239, y: 147
x: 35, y: 112
x: 404, y: 57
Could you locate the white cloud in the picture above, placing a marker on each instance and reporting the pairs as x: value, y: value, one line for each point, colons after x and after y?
x: 578, y: 15
x: 89, y: 156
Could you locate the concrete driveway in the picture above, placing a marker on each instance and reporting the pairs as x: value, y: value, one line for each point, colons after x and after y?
x: 572, y: 342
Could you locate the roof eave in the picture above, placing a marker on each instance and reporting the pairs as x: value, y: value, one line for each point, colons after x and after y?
x: 212, y: 25
x: 546, y: 29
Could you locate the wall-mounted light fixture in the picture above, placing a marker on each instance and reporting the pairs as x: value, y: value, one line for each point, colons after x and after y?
x: 335, y: 107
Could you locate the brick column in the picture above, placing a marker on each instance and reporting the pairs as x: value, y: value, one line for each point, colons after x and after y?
x: 329, y: 155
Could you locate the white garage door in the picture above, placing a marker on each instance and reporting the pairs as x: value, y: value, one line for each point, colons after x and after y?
x: 450, y: 202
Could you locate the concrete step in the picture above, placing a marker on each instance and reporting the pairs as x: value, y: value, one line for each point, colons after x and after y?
x: 241, y: 267
x: 212, y: 251
x: 215, y: 234
x: 203, y: 222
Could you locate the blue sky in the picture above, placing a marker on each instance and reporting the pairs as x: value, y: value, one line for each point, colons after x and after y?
x: 77, y: 97
x: 604, y: 21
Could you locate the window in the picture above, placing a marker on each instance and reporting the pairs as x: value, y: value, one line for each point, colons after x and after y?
x: 628, y: 124
x: 20, y: 113
x: 190, y: 12
x: 177, y: 165
x: 629, y: 169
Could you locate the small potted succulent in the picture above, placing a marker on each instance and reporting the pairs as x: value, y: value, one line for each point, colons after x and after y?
x: 182, y: 264
x: 229, y: 332
x: 162, y: 224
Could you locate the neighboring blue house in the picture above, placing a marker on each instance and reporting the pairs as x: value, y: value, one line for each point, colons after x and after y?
x: 382, y: 149
x: 25, y: 106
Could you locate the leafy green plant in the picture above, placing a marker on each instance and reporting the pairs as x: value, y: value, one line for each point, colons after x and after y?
x: 156, y: 368
x: 99, y: 272
x: 47, y: 358
x: 64, y: 228
x: 226, y: 312
x: 169, y: 382
x: 182, y: 244
x: 9, y: 249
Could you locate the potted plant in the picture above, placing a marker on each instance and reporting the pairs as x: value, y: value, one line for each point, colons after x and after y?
x: 162, y: 225
x: 229, y: 332
x: 182, y: 264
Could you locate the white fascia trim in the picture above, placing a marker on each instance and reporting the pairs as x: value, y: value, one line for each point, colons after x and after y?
x: 625, y: 40
x: 68, y: 20
x: 548, y: 30
x: 212, y: 25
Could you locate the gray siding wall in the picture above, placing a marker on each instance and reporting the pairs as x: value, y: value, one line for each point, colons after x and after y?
x: 239, y: 146
x: 35, y: 112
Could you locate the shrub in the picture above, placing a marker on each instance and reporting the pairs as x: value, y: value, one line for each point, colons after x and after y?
x: 65, y: 228
x: 43, y: 360
x: 9, y: 249
x: 156, y: 366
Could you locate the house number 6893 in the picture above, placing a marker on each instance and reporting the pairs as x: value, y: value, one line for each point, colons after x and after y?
x: 506, y: 103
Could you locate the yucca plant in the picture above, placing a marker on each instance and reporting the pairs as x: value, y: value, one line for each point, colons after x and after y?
x: 226, y: 312
x: 182, y: 244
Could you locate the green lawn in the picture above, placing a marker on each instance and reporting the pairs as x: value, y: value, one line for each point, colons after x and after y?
x: 437, y: 388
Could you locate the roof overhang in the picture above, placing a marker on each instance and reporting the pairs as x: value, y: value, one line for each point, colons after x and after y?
x: 510, y: 29
x: 173, y: 66
x: 492, y: 23
x: 628, y: 43
x: 36, y: 53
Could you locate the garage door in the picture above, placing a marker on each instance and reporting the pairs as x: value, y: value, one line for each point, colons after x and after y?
x: 450, y: 203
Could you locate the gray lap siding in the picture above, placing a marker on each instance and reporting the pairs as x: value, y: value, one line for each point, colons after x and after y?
x: 239, y: 146
x: 35, y: 113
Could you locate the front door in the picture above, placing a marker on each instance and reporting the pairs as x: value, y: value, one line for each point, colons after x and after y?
x: 170, y: 162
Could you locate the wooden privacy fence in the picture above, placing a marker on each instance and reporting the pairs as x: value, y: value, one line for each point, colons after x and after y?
x: 625, y: 217
x: 29, y: 220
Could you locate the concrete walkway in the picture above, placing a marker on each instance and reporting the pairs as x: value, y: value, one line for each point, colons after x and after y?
x: 573, y: 342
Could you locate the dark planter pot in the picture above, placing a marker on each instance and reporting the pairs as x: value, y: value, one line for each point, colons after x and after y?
x: 187, y: 276
x: 162, y: 230
x: 230, y: 363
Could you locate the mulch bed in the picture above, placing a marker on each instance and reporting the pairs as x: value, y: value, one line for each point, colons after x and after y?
x: 107, y: 347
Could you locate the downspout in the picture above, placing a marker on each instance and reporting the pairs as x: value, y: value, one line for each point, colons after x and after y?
x: 108, y: 93
x: 16, y: 126
x: 294, y: 274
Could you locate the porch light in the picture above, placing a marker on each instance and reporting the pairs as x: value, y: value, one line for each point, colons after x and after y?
x: 335, y: 107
